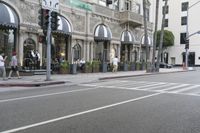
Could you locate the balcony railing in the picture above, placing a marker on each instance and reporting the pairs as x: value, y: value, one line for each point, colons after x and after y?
x: 131, y: 17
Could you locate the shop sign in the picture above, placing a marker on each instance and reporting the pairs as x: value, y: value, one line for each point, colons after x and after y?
x: 80, y: 4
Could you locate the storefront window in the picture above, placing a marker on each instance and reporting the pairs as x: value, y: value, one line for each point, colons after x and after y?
x: 7, y: 43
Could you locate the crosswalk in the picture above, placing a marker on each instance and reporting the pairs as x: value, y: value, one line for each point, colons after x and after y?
x: 162, y: 87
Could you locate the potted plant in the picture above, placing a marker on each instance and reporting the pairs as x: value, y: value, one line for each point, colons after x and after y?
x: 95, y: 66
x: 132, y: 66
x: 138, y: 65
x: 64, y: 67
x: 88, y: 67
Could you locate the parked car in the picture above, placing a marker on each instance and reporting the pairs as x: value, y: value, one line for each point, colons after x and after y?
x: 165, y: 65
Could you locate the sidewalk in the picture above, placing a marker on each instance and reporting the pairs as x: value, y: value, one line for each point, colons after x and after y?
x: 69, y: 79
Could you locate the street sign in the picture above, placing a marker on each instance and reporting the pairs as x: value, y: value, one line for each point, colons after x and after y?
x: 51, y: 5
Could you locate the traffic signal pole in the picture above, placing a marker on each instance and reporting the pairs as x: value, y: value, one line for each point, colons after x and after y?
x: 48, y: 37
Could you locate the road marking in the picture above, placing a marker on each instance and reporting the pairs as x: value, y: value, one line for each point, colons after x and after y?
x: 174, y: 87
x: 77, y: 114
x: 50, y: 94
x: 186, y: 89
x: 150, y: 85
x: 164, y: 85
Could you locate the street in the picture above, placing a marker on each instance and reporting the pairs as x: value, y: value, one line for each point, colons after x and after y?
x: 163, y: 103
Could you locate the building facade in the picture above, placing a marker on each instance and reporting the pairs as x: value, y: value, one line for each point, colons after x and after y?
x: 177, y: 21
x: 87, y: 29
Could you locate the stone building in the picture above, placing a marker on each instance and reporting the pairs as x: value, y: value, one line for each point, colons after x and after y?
x: 89, y: 29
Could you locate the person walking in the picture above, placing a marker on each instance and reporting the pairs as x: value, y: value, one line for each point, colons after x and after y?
x: 14, y: 66
x: 2, y: 65
x: 115, y: 64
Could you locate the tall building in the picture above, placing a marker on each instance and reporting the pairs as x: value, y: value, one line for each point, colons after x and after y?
x: 177, y: 20
x: 89, y: 29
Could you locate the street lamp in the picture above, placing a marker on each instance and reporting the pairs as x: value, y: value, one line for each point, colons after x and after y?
x: 187, y: 35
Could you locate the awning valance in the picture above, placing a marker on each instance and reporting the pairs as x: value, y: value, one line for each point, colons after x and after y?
x: 102, y: 33
x: 127, y: 37
x: 64, y: 26
x: 8, y: 17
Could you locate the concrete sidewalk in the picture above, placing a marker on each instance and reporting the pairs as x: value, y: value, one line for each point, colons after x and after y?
x: 69, y: 79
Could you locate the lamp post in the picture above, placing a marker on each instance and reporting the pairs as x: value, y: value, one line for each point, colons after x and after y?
x: 187, y: 35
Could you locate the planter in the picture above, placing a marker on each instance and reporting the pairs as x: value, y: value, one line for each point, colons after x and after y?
x: 133, y: 67
x: 125, y: 67
x: 64, y: 67
x: 95, y: 66
x: 63, y: 71
x: 73, y: 68
x: 138, y: 66
x: 104, y: 67
x: 88, y: 67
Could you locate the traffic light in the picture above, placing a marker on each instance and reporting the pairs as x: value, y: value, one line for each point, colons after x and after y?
x: 40, y: 17
x: 187, y: 41
x: 108, y: 2
x: 45, y: 19
x: 54, y: 20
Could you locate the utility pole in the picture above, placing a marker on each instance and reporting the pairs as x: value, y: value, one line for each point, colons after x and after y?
x: 48, y: 75
x: 50, y: 5
x: 155, y: 37
x: 146, y: 35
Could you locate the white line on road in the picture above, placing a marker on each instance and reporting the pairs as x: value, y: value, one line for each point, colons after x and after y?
x: 50, y: 94
x: 150, y: 85
x: 160, y: 86
x: 77, y: 114
x: 186, y: 89
x: 175, y: 87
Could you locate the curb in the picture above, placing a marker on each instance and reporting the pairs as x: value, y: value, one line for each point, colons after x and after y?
x: 137, y: 75
x: 46, y: 83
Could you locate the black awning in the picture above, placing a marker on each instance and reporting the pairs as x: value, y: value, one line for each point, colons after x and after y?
x: 64, y: 26
x: 102, y: 33
x: 127, y: 37
x: 8, y: 17
x: 149, y: 41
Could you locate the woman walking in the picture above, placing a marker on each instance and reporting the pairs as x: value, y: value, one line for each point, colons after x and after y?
x: 14, y: 66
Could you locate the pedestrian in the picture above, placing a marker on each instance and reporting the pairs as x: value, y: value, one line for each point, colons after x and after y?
x: 82, y: 64
x: 115, y: 64
x: 2, y: 65
x: 14, y: 66
x: 37, y: 54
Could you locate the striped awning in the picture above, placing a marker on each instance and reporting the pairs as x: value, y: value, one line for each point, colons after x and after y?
x: 102, y: 33
x: 64, y: 26
x: 8, y: 17
x: 149, y: 41
x: 127, y: 37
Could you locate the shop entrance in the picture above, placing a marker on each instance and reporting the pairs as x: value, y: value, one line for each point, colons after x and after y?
x: 30, y: 56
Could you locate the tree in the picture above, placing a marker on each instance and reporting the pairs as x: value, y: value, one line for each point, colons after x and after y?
x: 168, y: 38
x: 145, y: 31
x: 161, y: 37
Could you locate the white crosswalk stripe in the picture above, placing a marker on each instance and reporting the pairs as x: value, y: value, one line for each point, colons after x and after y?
x: 174, y: 87
x: 163, y: 87
x: 186, y: 89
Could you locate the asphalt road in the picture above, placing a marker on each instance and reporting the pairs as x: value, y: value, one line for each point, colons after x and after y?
x: 167, y: 103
